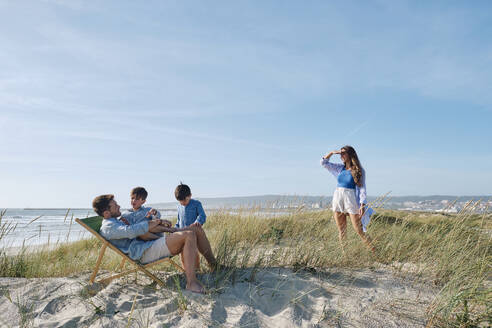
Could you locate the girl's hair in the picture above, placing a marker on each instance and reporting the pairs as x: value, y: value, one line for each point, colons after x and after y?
x: 354, y: 163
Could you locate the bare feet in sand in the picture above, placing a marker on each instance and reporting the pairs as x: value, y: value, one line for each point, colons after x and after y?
x: 195, y: 287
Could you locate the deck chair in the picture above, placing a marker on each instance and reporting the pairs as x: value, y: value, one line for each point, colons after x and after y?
x: 93, y: 225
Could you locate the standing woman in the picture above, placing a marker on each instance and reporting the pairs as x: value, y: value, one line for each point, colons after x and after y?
x: 350, y: 195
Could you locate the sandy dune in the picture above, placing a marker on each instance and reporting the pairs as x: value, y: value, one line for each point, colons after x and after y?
x: 266, y: 298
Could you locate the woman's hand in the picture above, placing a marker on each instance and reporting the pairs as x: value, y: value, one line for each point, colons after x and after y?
x: 331, y: 153
x: 362, y: 210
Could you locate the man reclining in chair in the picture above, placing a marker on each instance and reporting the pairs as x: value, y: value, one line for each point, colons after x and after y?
x: 125, y: 237
x: 139, y: 213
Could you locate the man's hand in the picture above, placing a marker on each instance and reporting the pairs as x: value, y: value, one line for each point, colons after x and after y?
x: 166, y: 223
x: 153, y: 224
x: 125, y: 221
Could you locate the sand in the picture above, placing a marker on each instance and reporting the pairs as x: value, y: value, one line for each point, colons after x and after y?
x: 273, y: 297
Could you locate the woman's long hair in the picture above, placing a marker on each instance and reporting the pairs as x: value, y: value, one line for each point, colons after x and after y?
x: 354, y: 164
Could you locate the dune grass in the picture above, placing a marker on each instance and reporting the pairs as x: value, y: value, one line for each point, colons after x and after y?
x: 453, y: 252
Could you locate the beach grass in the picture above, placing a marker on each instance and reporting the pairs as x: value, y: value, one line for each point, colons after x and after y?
x: 450, y: 251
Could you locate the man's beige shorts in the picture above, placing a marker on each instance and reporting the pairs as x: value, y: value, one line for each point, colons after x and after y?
x: 155, y: 252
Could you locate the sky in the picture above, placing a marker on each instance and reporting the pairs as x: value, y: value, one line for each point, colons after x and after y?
x: 239, y: 98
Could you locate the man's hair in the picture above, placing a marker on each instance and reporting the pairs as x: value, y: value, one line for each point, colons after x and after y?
x: 101, y: 203
x: 139, y: 192
x: 182, y: 191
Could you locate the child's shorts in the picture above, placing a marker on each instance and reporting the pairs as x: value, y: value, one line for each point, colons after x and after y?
x: 344, y: 201
x: 157, y: 251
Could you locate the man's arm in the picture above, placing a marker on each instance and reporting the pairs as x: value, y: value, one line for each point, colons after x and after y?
x: 119, y: 230
x: 163, y: 227
x: 149, y: 236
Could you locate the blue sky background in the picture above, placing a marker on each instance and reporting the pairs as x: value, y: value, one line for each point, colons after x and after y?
x: 241, y: 97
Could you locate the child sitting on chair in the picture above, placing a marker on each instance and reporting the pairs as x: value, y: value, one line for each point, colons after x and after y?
x: 139, y: 213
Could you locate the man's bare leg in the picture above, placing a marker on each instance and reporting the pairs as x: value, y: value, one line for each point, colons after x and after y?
x: 197, y: 261
x: 185, y: 242
x: 204, y: 246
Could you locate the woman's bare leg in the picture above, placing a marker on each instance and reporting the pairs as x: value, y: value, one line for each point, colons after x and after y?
x: 357, y: 224
x: 185, y: 242
x: 341, y: 220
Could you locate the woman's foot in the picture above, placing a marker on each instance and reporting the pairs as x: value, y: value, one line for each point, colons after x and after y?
x: 195, y: 287
x: 370, y: 244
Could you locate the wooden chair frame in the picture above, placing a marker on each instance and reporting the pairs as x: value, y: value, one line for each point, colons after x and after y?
x: 138, y: 266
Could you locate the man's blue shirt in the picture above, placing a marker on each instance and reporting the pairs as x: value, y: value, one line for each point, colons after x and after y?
x: 191, y: 213
x: 125, y: 236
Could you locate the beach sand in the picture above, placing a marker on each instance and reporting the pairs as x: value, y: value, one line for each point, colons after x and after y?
x: 273, y: 297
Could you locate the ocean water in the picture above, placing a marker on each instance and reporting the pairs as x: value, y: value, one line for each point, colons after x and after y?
x: 31, y: 227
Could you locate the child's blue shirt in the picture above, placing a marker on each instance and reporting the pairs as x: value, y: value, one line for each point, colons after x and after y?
x: 191, y: 213
x: 136, y: 216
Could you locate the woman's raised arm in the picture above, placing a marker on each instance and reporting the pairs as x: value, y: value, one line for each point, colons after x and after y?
x: 334, y: 168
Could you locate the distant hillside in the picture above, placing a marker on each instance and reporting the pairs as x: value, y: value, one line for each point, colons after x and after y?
x: 253, y: 201
x: 283, y: 201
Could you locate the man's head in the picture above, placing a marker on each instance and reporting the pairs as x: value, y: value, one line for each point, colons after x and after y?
x: 138, y: 196
x: 183, y: 194
x: 106, y: 206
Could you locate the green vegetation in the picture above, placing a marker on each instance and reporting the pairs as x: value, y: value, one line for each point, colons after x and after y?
x: 453, y: 252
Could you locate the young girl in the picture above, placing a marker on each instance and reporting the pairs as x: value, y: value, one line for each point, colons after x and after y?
x: 350, y: 195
